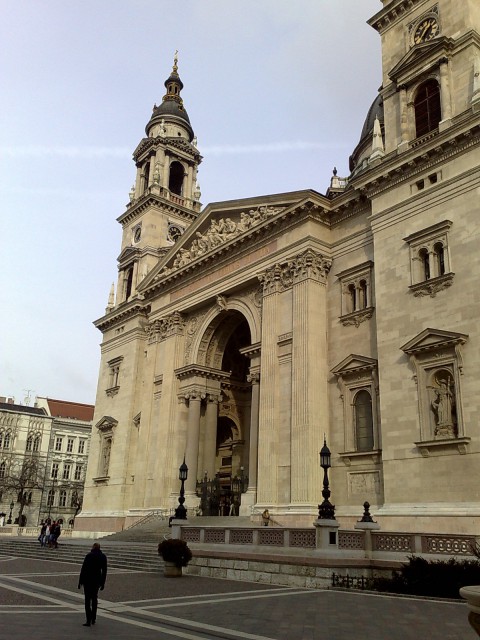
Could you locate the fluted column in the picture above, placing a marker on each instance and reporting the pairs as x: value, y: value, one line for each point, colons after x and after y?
x: 445, y: 91
x: 403, y: 114
x: 254, y: 378
x: 193, y: 433
x: 210, y: 446
x: 310, y: 414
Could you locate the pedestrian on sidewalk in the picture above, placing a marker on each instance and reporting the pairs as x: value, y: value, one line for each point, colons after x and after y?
x: 92, y: 577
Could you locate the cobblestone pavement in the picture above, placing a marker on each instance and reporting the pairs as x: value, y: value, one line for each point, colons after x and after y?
x: 39, y: 600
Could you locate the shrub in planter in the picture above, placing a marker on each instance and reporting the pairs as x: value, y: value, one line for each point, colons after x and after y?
x: 176, y: 551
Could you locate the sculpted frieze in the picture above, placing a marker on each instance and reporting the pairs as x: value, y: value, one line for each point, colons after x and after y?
x: 219, y: 232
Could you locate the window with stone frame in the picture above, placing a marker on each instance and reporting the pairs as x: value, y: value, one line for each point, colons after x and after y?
x: 357, y: 294
x: 78, y: 472
x: 70, y: 442
x: 436, y: 360
x: 114, y: 376
x: 51, y: 498
x: 58, y: 443
x: 358, y: 383
x: 81, y: 445
x: 430, y: 265
x: 67, y: 467
x: 427, y: 107
x: 3, y: 468
x: 54, y: 472
x: 62, y: 498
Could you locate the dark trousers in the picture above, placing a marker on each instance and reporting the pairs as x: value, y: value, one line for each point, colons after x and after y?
x: 91, y: 601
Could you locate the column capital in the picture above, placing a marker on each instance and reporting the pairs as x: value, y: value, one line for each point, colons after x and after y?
x: 254, y: 377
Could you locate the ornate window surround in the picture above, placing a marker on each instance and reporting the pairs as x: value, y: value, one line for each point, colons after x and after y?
x: 106, y: 430
x: 430, y: 351
x: 426, y: 240
x: 114, y: 373
x: 357, y: 303
x: 358, y: 373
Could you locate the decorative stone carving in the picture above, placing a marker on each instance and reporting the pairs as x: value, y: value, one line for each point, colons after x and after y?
x: 357, y: 317
x: 219, y: 232
x: 307, y: 265
x: 172, y: 324
x: 432, y: 287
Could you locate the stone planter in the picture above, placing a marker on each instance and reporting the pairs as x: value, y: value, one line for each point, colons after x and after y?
x: 171, y: 570
x: 472, y: 596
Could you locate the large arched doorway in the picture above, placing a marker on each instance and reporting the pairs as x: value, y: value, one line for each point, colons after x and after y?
x: 221, y: 491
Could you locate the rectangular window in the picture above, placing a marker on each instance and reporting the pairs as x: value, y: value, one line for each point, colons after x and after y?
x: 66, y: 470
x: 81, y: 445
x: 78, y: 472
x: 51, y: 498
x: 54, y: 473
x: 58, y: 443
x: 70, y: 442
x: 63, y: 498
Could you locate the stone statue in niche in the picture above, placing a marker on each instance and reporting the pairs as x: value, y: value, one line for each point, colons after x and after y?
x: 443, y: 405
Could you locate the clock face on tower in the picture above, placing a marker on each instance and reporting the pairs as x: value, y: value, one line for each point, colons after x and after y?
x: 426, y: 30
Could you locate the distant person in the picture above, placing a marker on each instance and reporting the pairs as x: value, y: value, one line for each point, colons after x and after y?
x: 265, y: 518
x: 92, y: 577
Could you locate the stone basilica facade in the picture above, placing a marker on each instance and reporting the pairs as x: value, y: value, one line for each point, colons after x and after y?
x: 243, y: 333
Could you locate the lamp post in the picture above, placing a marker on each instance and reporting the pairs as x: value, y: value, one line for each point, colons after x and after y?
x: 326, y: 510
x: 180, y: 511
x: 9, y: 521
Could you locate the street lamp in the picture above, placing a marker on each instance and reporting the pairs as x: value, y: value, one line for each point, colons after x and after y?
x: 180, y: 511
x: 326, y: 510
x: 9, y: 521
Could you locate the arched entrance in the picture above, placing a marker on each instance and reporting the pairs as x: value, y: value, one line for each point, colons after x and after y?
x: 220, y: 488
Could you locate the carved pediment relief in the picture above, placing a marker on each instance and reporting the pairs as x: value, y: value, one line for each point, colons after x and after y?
x: 422, y: 56
x: 107, y: 423
x: 354, y: 364
x: 431, y: 339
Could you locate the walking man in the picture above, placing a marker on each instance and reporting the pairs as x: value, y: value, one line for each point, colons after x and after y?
x: 92, y: 577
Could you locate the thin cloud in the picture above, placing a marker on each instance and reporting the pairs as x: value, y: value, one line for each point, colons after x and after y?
x: 274, y: 147
x: 83, y: 153
x: 88, y: 153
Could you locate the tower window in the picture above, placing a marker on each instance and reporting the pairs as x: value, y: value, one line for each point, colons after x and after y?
x: 177, y: 174
x: 146, y: 175
x: 363, y: 421
x: 128, y: 283
x: 428, y: 112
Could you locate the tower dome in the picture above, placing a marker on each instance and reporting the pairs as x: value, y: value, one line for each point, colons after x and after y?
x: 364, y: 145
x: 171, y: 109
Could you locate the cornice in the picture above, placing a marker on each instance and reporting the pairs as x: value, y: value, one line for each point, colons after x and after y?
x: 392, y: 13
x: 397, y: 168
x: 151, y: 200
x: 120, y: 314
x: 152, y: 144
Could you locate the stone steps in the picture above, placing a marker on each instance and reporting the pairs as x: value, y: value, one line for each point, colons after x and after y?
x: 120, y: 556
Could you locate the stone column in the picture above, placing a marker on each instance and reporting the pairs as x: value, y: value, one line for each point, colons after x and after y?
x: 210, y: 446
x: 445, y: 95
x: 254, y: 378
x: 310, y: 411
x: 191, y: 454
x: 403, y: 118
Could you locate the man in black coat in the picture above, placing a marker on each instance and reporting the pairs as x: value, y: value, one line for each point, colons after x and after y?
x: 92, y: 577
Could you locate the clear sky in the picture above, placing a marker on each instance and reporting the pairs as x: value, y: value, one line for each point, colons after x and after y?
x: 276, y: 91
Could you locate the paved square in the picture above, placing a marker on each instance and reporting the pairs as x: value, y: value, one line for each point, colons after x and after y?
x: 39, y: 599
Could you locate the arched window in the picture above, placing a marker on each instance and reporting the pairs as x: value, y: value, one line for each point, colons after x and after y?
x: 175, y: 181
x: 428, y: 112
x: 146, y: 175
x: 29, y: 443
x: 63, y: 498
x: 128, y: 283
x: 6, y: 440
x: 3, y: 467
x: 424, y: 257
x: 36, y: 443
x: 363, y: 421
x: 1, y: 439
x: 439, y: 258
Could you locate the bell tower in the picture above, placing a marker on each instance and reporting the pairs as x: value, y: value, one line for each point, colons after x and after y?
x: 430, y: 60
x: 164, y: 200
